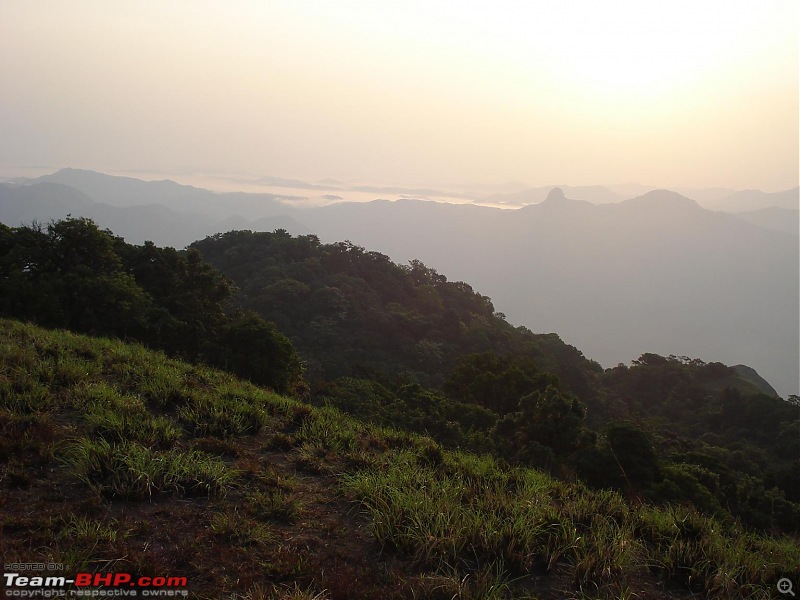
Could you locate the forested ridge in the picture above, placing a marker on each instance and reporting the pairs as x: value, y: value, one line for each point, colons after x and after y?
x: 73, y: 275
x: 402, y: 346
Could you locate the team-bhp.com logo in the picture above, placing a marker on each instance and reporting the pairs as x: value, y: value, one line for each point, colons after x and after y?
x: 85, y: 584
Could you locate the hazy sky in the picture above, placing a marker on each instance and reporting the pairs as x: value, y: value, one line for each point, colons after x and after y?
x: 697, y: 93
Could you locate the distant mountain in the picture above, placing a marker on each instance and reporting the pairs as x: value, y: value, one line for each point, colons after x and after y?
x: 751, y: 200
x: 47, y: 201
x: 165, y: 212
x: 40, y: 202
x: 119, y: 191
x: 594, y: 193
x: 786, y: 220
x: 716, y: 198
x: 656, y: 272
x: 126, y: 191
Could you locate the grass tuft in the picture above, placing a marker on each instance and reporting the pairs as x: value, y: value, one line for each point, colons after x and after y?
x: 130, y: 470
x: 131, y: 424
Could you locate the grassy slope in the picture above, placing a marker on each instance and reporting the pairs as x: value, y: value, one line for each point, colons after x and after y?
x: 113, y: 457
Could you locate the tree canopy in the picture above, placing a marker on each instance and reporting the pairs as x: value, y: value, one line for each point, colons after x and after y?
x: 72, y: 274
x: 402, y: 346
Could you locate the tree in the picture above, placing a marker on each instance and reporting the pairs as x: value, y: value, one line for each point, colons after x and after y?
x: 72, y: 274
x: 546, y: 419
x: 69, y: 275
x: 495, y: 382
x: 252, y: 348
x: 634, y: 455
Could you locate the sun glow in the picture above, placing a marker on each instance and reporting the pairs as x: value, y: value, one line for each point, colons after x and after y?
x: 661, y: 45
x: 421, y: 90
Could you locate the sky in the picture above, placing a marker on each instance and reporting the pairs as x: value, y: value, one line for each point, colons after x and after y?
x: 669, y: 94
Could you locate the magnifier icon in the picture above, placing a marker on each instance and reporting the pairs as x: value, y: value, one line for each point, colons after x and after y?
x: 785, y: 586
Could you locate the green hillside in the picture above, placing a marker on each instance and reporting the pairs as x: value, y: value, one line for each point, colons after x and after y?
x: 115, y: 458
x: 353, y: 312
x: 403, y: 347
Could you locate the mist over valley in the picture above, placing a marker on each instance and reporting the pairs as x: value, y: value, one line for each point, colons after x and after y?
x: 614, y: 277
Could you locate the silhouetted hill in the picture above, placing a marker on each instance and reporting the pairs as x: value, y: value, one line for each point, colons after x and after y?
x: 163, y: 212
x: 127, y: 191
x: 349, y: 310
x: 749, y: 200
x: 557, y: 201
x: 40, y: 202
x: 785, y: 220
x: 592, y: 193
x: 663, y: 201
x: 655, y: 273
x: 48, y: 201
x: 120, y: 191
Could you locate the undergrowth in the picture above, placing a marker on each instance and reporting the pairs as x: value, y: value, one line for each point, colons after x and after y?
x: 113, y: 435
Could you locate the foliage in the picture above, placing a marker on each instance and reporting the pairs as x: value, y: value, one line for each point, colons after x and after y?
x: 544, y: 419
x: 130, y: 470
x: 411, y: 407
x: 403, y: 346
x: 233, y: 516
x: 72, y: 274
x: 633, y: 452
x: 355, y: 313
x: 395, y: 345
x: 715, y: 440
x: 496, y: 382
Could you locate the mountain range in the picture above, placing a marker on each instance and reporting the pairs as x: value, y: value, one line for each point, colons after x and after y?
x: 652, y: 273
